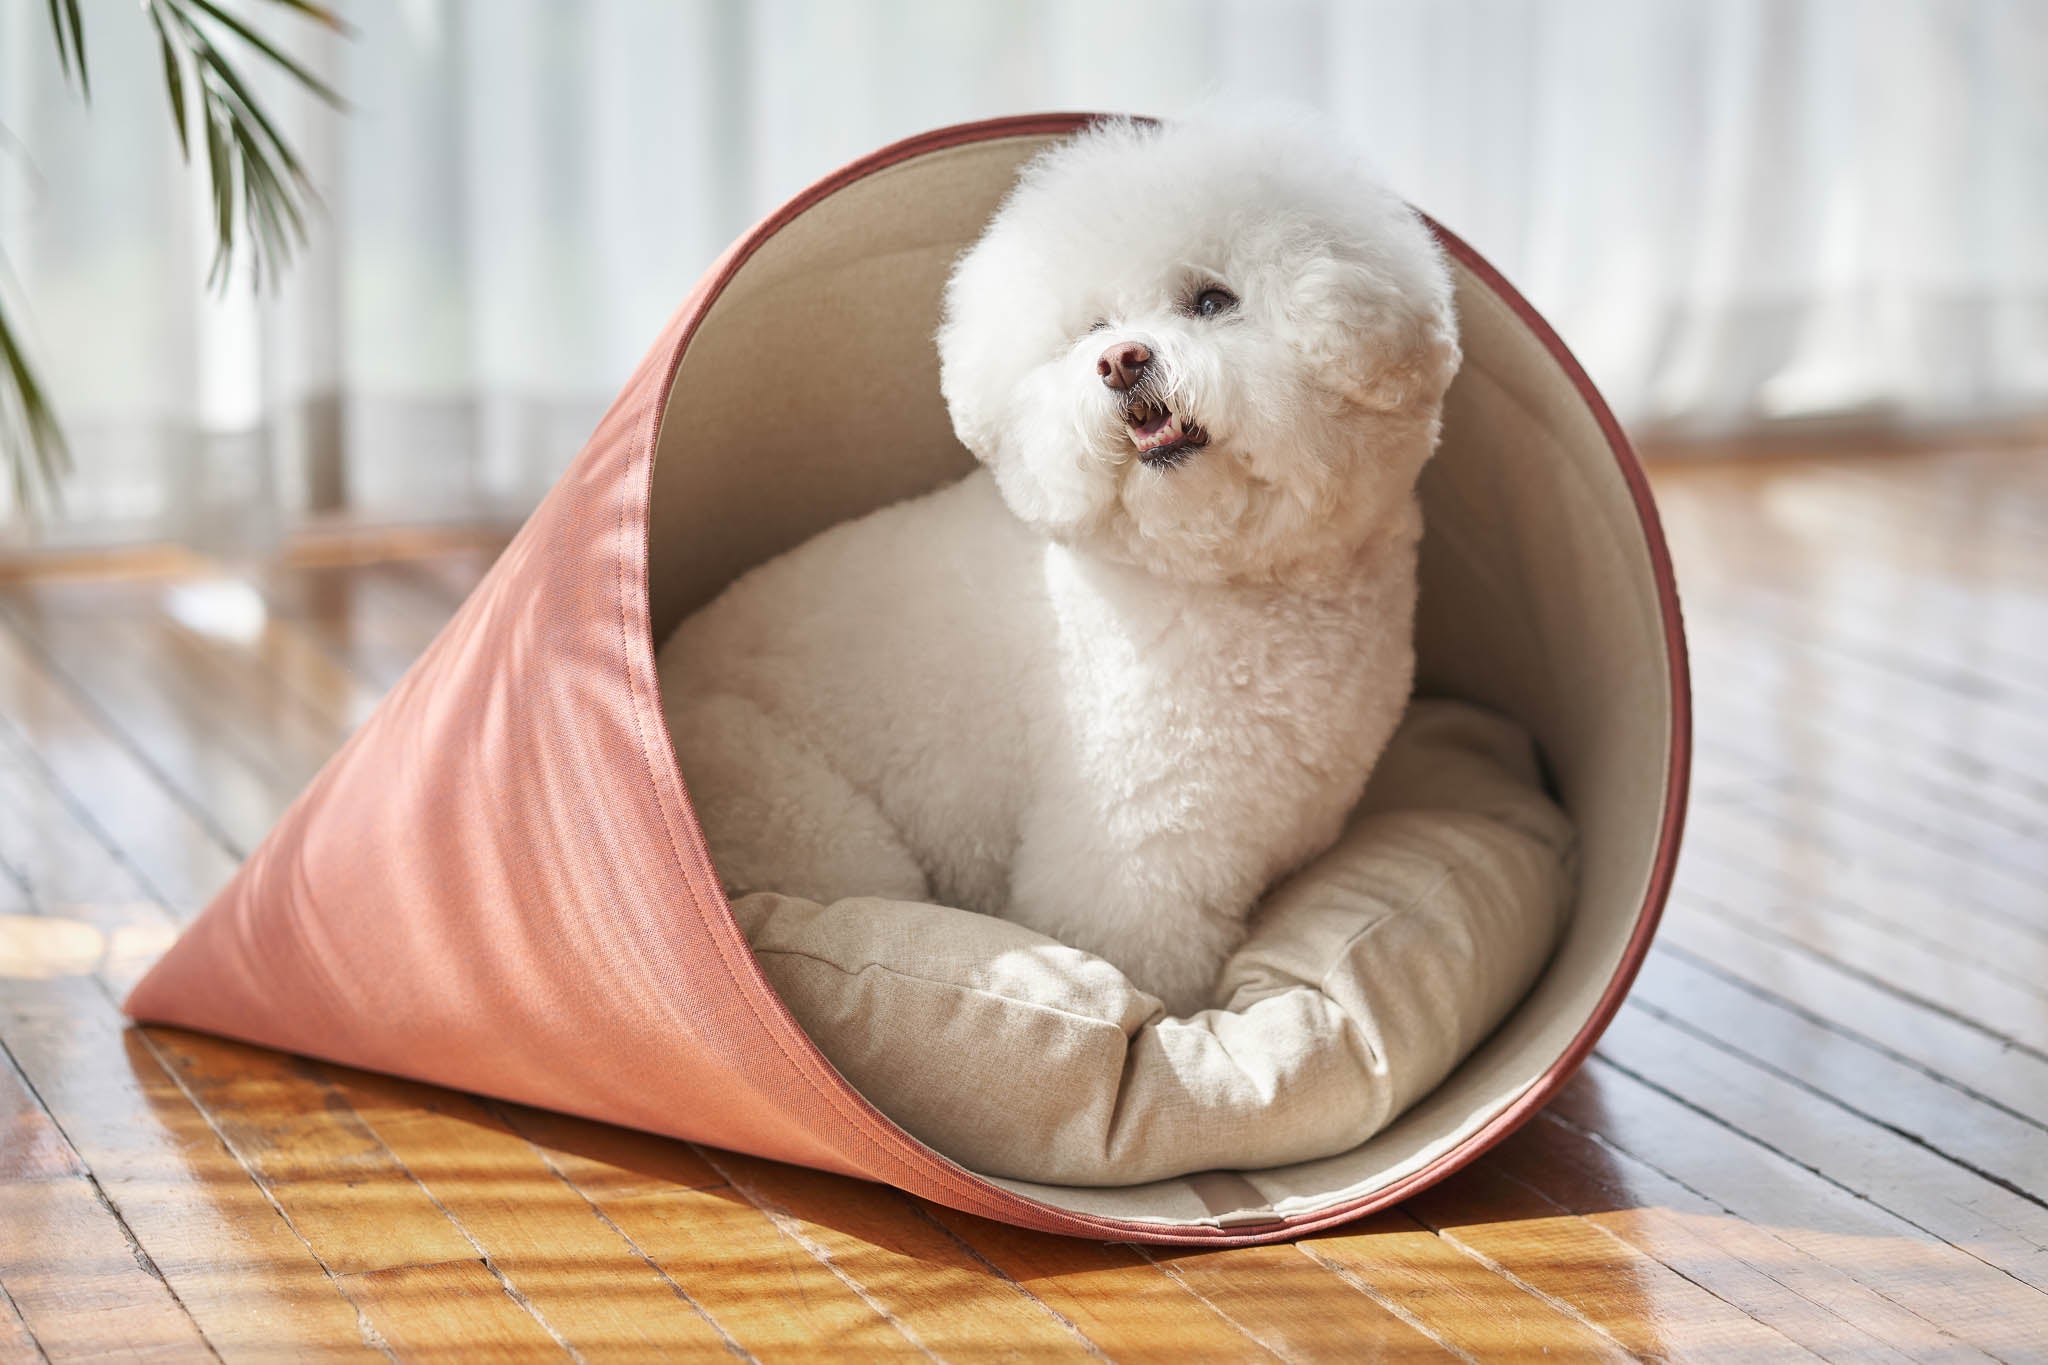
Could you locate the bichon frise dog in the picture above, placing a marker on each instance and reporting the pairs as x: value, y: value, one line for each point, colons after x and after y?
x: 1137, y: 666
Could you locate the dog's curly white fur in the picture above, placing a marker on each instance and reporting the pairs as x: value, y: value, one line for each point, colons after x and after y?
x: 1116, y: 682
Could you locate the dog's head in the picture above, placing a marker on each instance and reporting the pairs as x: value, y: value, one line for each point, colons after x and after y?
x: 1218, y: 353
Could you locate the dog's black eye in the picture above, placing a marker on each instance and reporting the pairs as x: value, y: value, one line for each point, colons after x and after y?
x: 1210, y: 302
x: 1099, y: 325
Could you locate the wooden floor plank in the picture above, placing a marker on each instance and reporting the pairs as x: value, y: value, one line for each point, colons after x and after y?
x: 770, y: 1296
x: 1772, y: 704
x: 76, y: 1283
x: 1938, y: 981
x: 1914, y: 636
x: 1299, y: 1308
x: 1131, y: 1310
x: 916, y: 1273
x: 294, y: 736
x: 1814, y: 1304
x: 1719, y: 776
x: 370, y: 619
x: 226, y: 621
x: 32, y: 1146
x: 1950, y: 1290
x: 1896, y: 1095
x: 454, y: 1311
x: 1805, y: 748
x: 76, y: 883
x: 354, y: 1202
x: 1649, y: 1309
x: 72, y: 882
x: 254, y: 682
x: 81, y: 1288
x: 606, y: 1162
x: 45, y: 850
x: 1458, y: 1298
x: 1996, y: 683
x: 182, y: 857
x: 765, y: 1289
x: 575, y: 1271
x: 762, y: 1287
x: 1854, y: 721
x: 17, y: 1345
x: 180, y: 730
x: 1934, y: 775
x: 1928, y: 839
x: 1959, y: 1053
x: 1988, y: 671
x: 1790, y: 600
x: 1998, y: 1225
x: 1740, y: 855
x: 249, y: 1281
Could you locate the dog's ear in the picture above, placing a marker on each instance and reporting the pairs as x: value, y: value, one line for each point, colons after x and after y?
x: 965, y: 360
x: 997, y: 323
x: 1384, y: 338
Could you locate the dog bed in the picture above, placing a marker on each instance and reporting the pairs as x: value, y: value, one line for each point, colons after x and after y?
x: 498, y: 883
x: 1364, y: 979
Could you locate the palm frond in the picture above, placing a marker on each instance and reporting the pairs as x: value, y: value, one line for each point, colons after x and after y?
x: 29, y: 433
x: 268, y: 49
x: 68, y: 27
x: 174, y: 81
x: 261, y: 193
x: 324, y: 15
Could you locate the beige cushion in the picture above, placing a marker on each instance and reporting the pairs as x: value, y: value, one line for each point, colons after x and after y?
x: 1365, y: 979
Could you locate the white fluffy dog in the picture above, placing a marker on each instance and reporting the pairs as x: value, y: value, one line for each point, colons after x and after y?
x: 1115, y: 682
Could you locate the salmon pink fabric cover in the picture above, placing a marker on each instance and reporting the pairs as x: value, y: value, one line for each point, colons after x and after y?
x: 498, y: 884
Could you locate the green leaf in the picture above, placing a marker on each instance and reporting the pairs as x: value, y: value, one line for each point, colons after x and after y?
x: 32, y: 440
x: 278, y: 203
x: 263, y: 204
x: 325, y: 15
x: 245, y: 106
x: 63, y: 48
x: 62, y: 33
x: 174, y: 81
x: 221, y: 176
x: 259, y: 187
x: 78, y: 48
x: 263, y: 45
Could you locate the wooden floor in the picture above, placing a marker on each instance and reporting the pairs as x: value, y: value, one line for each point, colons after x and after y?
x: 1820, y: 1126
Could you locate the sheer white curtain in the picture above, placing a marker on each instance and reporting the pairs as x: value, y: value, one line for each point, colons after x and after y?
x: 1738, y: 212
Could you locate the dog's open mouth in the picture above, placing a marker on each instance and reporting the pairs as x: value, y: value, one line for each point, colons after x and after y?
x: 1160, y: 434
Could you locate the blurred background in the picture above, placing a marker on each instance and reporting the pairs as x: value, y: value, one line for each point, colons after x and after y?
x: 1753, y: 220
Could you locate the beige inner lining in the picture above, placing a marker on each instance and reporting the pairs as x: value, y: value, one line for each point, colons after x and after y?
x: 1538, y: 598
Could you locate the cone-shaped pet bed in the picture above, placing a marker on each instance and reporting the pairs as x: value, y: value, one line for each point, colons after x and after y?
x: 498, y: 883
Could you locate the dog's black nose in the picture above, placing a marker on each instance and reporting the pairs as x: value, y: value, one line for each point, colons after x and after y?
x: 1122, y: 363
